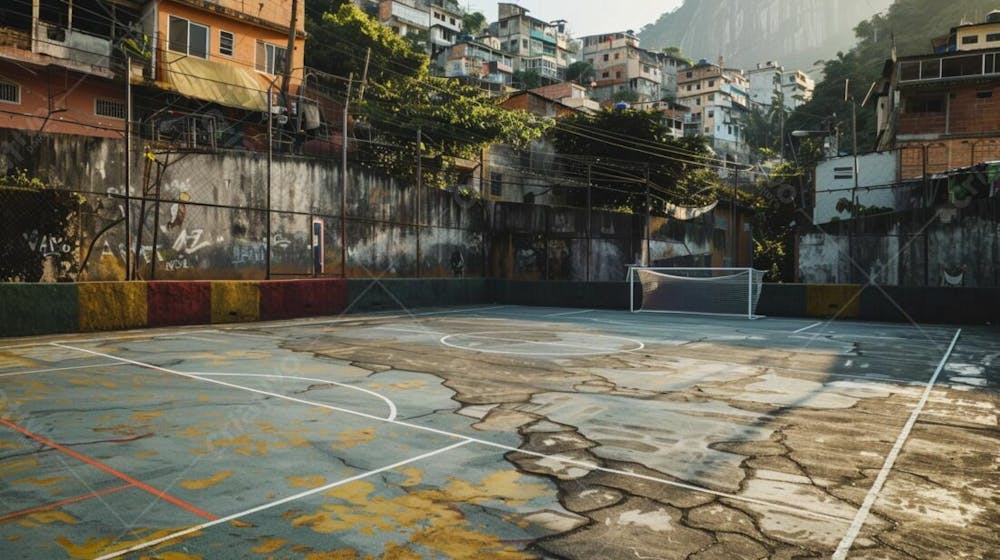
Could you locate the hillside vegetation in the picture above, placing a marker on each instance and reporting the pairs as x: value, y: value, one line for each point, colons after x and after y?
x: 911, y: 24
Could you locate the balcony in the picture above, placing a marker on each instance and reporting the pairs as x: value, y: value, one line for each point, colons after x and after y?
x: 951, y: 67
x: 86, y: 52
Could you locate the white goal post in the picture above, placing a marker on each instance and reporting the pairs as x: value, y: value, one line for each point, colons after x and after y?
x: 706, y: 291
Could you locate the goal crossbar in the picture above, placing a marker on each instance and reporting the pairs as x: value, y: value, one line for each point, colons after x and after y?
x: 730, y: 292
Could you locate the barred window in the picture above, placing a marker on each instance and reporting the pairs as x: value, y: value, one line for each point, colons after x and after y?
x: 226, y: 43
x: 10, y: 92
x: 113, y: 108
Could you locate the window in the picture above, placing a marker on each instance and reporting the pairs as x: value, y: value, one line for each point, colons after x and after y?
x: 689, y: 87
x: 606, y: 58
x: 452, y: 20
x: 188, y: 37
x: 711, y: 114
x: 605, y: 74
x: 689, y: 74
x: 496, y: 184
x: 617, y: 56
x: 729, y: 130
x: 991, y: 37
x: 925, y: 105
x: 697, y: 101
x: 970, y: 39
x: 113, y: 108
x: 590, y: 61
x: 646, y: 69
x: 708, y: 129
x: 524, y: 43
x: 711, y: 83
x: 984, y: 94
x: 10, y: 92
x: 711, y: 97
x: 270, y: 58
x: 226, y: 43
x: 618, y: 75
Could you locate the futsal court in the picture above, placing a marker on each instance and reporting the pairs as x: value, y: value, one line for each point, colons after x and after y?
x: 503, y: 432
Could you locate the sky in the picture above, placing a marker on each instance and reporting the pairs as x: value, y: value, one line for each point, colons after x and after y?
x: 586, y: 17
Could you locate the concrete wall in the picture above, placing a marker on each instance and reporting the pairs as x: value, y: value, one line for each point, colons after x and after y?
x: 906, y: 249
x: 211, y: 221
x: 835, y: 180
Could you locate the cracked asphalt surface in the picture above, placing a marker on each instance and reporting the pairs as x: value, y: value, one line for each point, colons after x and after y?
x: 503, y: 432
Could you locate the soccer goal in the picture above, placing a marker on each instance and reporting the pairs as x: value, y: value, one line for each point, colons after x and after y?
x: 710, y: 291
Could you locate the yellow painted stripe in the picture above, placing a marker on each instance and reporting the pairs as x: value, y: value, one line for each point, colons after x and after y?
x: 829, y: 300
x: 235, y: 302
x: 112, y: 305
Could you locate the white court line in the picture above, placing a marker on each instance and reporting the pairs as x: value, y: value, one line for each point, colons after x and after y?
x: 276, y: 503
x: 568, y: 313
x: 804, y: 329
x: 862, y: 515
x: 223, y: 383
x: 110, y: 364
x: 559, y: 458
x: 146, y: 334
x: 392, y: 406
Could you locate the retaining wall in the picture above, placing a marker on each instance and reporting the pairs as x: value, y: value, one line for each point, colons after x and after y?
x: 36, y: 309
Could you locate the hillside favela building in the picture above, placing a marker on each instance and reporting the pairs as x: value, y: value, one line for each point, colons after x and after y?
x: 942, y: 109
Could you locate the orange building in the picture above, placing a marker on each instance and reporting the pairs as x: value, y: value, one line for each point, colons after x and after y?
x: 224, y: 51
x: 62, y: 62
x: 57, y: 66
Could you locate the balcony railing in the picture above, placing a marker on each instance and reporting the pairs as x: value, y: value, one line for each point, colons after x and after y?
x: 72, y: 45
x: 949, y: 67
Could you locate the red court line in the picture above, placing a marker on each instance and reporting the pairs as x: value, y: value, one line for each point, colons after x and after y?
x: 162, y: 494
x: 59, y: 504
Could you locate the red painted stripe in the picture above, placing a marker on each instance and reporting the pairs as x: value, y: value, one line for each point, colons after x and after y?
x: 59, y: 504
x: 161, y: 494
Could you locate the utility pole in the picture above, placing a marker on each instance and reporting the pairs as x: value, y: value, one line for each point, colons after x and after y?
x: 267, y: 206
x: 286, y: 75
x: 649, y: 226
x: 420, y: 182
x: 343, y: 181
x: 128, y: 167
x: 736, y: 216
x: 590, y: 231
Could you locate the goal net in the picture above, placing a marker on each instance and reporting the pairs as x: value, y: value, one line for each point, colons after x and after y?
x: 713, y: 291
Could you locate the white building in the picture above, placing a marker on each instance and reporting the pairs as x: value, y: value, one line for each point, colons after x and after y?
x: 536, y: 46
x: 770, y: 80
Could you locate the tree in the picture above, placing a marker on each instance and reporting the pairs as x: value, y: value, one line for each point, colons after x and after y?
x: 33, y: 212
x: 474, y: 23
x: 909, y: 24
x: 618, y: 149
x: 454, y: 119
x: 626, y: 96
x: 581, y: 72
x: 527, y: 79
x: 339, y: 43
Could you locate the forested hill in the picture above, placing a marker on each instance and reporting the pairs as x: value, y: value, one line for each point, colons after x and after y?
x: 911, y: 24
x: 795, y: 33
